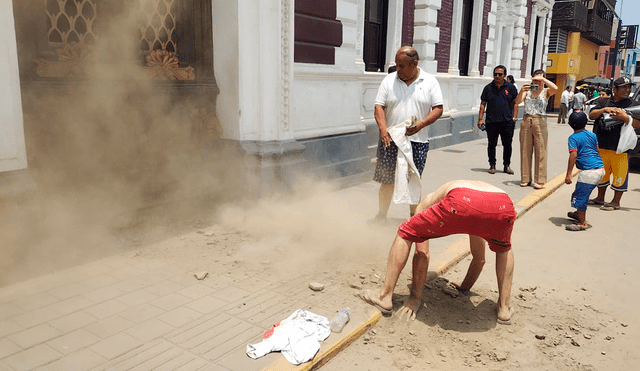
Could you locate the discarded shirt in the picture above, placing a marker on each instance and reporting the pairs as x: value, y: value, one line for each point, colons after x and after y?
x: 297, y: 337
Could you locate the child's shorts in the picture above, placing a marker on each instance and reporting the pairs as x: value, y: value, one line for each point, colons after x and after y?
x: 587, y: 181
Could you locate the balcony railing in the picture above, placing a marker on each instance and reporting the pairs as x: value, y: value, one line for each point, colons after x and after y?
x: 570, y: 15
x: 598, y: 30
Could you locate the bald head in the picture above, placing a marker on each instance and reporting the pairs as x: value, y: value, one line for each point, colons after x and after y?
x: 407, y: 64
x: 409, y: 52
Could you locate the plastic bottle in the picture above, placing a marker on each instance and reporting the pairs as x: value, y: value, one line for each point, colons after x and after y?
x: 341, y: 319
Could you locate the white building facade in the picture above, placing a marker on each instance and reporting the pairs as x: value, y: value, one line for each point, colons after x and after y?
x: 295, y: 80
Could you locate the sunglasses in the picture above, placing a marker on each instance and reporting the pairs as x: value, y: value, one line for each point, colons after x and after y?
x: 498, y: 74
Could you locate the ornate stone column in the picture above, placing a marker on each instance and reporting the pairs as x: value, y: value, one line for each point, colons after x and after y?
x: 426, y: 33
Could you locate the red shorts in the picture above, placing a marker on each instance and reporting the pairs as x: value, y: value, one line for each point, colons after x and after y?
x: 488, y: 215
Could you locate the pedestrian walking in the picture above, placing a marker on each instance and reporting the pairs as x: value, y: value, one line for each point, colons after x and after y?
x: 533, y: 130
x: 498, y: 102
x: 564, y: 105
x: 407, y: 92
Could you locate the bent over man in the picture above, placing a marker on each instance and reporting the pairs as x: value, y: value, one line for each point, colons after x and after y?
x: 482, y: 211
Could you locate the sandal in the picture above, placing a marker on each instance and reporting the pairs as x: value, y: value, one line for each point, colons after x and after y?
x: 595, y: 202
x: 575, y: 227
x: 538, y: 186
x: 523, y: 184
x: 609, y: 207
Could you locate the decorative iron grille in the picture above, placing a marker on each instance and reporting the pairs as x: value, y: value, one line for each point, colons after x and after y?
x: 71, y: 21
x: 157, y: 23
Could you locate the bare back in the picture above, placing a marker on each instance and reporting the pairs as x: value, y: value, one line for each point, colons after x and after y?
x: 440, y: 193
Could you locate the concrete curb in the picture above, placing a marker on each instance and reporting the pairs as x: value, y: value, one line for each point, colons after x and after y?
x: 325, y: 356
x: 443, y: 262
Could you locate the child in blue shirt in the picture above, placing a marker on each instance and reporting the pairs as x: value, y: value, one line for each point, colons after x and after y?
x: 583, y: 153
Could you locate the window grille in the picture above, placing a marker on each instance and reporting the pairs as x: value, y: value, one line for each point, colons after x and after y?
x: 157, y: 23
x: 71, y: 21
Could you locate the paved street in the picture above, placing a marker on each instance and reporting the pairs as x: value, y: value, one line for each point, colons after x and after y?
x: 137, y: 311
x: 575, y: 291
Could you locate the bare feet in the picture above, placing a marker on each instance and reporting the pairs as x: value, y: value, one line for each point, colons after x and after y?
x: 410, y: 308
x: 374, y: 299
x: 505, y: 315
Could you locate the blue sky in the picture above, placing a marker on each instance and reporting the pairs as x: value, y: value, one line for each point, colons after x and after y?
x: 630, y: 11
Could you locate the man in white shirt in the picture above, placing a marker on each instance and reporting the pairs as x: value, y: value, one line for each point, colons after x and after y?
x: 564, y: 104
x: 409, y: 91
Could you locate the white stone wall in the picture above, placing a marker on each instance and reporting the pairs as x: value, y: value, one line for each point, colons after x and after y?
x: 13, y: 155
x: 264, y: 96
x: 543, y: 10
x: 426, y: 33
x: 506, y: 36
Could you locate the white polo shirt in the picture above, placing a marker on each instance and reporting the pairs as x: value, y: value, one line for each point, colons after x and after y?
x: 402, y: 101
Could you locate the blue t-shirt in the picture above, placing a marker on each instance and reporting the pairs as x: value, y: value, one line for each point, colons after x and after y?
x: 586, y: 143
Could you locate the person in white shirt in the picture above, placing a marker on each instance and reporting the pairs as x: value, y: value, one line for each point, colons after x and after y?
x: 409, y: 91
x: 564, y: 104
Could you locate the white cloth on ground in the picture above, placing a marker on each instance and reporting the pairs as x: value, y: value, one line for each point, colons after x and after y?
x: 297, y: 337
x: 407, y: 185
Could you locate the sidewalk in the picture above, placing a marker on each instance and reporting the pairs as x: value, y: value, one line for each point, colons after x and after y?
x: 131, y: 312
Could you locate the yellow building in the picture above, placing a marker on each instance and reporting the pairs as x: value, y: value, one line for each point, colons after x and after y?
x: 578, y: 29
x: 579, y: 61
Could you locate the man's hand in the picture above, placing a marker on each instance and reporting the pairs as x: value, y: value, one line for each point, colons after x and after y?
x: 409, y: 309
x: 619, y: 114
x: 385, y: 138
x: 414, y: 129
x: 480, y: 123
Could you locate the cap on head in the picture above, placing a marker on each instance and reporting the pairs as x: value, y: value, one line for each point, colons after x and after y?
x: 623, y: 80
x: 578, y: 120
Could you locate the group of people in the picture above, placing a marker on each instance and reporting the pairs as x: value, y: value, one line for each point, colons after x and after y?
x: 483, y: 211
x: 500, y: 102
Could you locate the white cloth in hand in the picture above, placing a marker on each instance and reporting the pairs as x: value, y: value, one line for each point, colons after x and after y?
x: 407, y: 185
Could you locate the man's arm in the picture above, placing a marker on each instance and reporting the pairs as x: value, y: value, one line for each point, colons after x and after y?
x: 381, y: 120
x: 483, y: 105
x: 431, y: 117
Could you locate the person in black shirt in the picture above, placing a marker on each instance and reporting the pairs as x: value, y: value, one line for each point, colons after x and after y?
x: 498, y: 101
x: 615, y: 164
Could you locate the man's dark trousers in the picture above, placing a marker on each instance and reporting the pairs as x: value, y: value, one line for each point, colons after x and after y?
x: 505, y: 131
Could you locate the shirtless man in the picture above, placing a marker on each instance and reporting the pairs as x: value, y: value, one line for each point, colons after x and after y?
x: 476, y: 208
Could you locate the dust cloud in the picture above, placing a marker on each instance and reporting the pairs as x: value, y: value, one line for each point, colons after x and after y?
x: 119, y: 159
x: 312, y: 229
x: 122, y: 160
